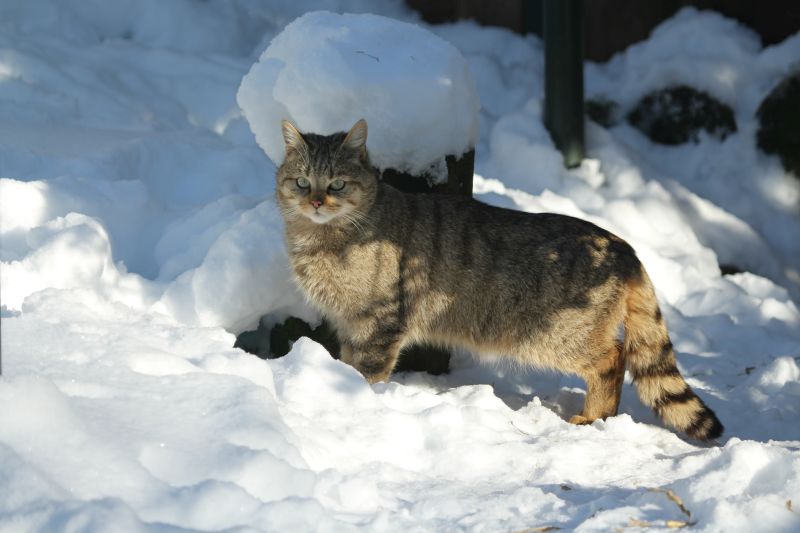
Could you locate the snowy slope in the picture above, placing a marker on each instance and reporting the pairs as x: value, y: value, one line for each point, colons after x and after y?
x: 138, y: 234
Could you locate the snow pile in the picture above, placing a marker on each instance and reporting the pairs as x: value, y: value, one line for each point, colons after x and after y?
x: 244, y: 274
x: 303, y: 443
x: 325, y: 71
x: 711, y: 53
x: 138, y: 232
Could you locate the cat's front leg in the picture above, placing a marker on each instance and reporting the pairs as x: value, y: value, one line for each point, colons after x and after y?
x: 375, y: 358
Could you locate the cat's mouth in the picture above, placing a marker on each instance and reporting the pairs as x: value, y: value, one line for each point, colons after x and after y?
x: 319, y: 217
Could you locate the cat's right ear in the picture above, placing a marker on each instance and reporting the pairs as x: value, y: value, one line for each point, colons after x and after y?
x: 292, y: 138
x: 356, y: 138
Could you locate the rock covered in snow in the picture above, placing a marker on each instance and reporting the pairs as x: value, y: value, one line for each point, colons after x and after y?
x: 325, y: 71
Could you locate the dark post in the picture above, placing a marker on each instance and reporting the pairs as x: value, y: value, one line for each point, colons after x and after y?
x: 563, y: 78
x: 459, y: 173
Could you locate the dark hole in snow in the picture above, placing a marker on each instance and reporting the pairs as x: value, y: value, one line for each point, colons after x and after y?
x: 676, y: 115
x: 276, y: 341
x: 728, y: 269
x: 779, y: 118
x: 602, y: 111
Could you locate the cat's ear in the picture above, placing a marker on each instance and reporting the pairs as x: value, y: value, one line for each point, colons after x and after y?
x: 356, y: 138
x: 292, y: 137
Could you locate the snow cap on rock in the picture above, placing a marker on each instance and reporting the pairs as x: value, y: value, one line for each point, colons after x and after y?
x: 324, y: 71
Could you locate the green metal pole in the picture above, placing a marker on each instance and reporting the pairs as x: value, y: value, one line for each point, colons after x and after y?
x: 563, y: 83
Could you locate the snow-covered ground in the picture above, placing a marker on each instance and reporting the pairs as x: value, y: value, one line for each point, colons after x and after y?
x: 139, y: 234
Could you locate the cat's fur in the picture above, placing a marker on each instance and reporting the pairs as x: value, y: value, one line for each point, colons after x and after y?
x: 389, y: 269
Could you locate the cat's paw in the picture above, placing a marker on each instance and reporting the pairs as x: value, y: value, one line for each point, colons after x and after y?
x: 580, y: 420
x: 377, y: 377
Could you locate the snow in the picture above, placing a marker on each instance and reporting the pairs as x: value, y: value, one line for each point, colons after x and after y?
x: 138, y: 234
x: 721, y: 57
x: 324, y: 71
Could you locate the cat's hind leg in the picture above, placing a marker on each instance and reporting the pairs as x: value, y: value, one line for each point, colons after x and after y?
x: 375, y: 358
x: 604, y: 387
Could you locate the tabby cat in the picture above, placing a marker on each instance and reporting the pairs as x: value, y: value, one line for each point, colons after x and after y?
x: 390, y: 269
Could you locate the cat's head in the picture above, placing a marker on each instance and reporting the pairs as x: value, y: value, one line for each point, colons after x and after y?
x: 326, y: 179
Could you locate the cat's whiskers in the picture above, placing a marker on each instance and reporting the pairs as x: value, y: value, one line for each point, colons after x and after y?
x: 290, y: 211
x: 362, y: 218
x: 350, y: 217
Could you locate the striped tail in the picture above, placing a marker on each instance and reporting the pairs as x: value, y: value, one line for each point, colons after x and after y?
x: 651, y: 361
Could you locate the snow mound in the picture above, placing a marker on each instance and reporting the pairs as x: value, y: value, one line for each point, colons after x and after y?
x: 704, y: 40
x: 245, y: 274
x: 67, y: 252
x: 325, y: 71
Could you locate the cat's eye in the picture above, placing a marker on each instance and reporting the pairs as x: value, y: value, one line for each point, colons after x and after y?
x: 303, y: 183
x: 337, y: 185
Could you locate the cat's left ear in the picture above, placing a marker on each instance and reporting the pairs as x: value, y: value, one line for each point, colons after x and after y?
x: 292, y: 137
x: 356, y: 138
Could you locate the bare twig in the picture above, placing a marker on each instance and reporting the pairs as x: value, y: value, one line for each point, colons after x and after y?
x: 676, y: 499
x: 670, y: 524
x: 376, y: 58
x: 675, y: 524
x: 520, y: 429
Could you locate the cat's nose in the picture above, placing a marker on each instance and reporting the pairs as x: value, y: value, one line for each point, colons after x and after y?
x: 316, y: 203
